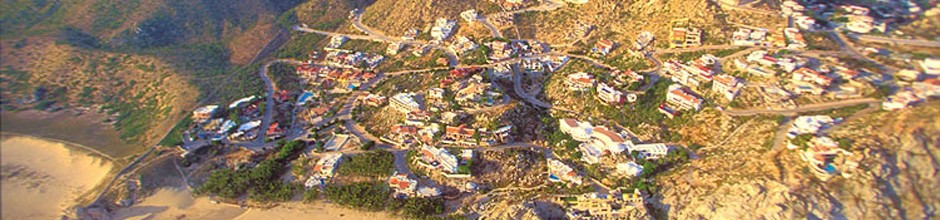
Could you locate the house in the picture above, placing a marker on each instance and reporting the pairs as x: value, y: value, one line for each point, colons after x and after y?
x: 760, y: 71
x: 931, y: 66
x: 809, y: 125
x: 402, y: 136
x: 682, y: 98
x: 810, y: 75
x: 694, y: 72
x: 650, y: 151
x: 610, y: 141
x: 394, y: 47
x: 405, y: 102
x: 533, y: 65
x: 442, y: 29
x: 684, y: 37
x: 469, y: 15
x: 460, y: 135
x: 463, y: 45
x: 417, y: 118
x: 630, y: 169
x: 609, y: 94
x: 409, y: 35
x: 502, y: 71
x: 327, y: 164
x: 503, y: 134
x: 402, y: 185
x: 603, y: 47
x: 927, y: 88
x: 628, y: 76
x: 728, y: 86
x: 579, y: 131
x: 590, y: 153
x: 436, y: 93
x: 427, y: 192
x: 901, y: 100
x: 819, y: 154
x: 438, y: 158
x: 242, y: 101
x: 500, y: 50
x: 555, y: 62
x: 337, y: 41
x: 204, y: 113
x: 580, y: 81
x: 643, y: 40
x: 374, y: 100
x: 560, y: 172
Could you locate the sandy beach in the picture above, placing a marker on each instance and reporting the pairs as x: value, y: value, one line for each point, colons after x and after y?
x: 86, y: 130
x: 178, y: 202
x: 41, y: 178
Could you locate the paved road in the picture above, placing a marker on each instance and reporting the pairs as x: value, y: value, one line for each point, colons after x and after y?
x: 891, y: 40
x: 493, y: 30
x: 850, y: 50
x: 805, y: 108
x: 269, y: 99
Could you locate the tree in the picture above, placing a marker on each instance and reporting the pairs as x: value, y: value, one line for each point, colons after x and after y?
x: 367, y: 145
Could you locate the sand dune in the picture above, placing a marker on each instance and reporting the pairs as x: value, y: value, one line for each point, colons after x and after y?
x: 41, y: 178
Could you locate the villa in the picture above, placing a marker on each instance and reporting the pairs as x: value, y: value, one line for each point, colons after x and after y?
x: 560, y: 172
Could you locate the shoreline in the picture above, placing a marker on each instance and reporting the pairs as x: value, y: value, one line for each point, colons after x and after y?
x: 48, y: 177
x: 68, y: 144
x: 84, y: 130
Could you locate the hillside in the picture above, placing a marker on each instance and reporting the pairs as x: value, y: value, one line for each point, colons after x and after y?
x: 895, y: 178
x: 147, y: 62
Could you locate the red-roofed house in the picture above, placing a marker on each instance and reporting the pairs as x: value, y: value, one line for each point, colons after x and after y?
x: 727, y: 85
x: 683, y: 99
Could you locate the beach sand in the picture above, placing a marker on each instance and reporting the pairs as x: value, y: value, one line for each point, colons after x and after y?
x: 177, y: 203
x: 41, y: 178
x: 85, y: 130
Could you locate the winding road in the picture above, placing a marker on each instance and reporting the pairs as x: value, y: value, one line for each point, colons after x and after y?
x: 890, y: 40
x: 804, y: 108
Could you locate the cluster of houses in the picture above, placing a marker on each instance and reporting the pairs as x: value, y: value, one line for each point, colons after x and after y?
x: 445, y: 162
x: 607, y: 93
x: 328, y: 76
x: 684, y: 35
x: 240, y: 121
x: 694, y: 72
x: 352, y: 59
x: 598, y: 142
x: 855, y: 18
x: 924, y: 85
x: 613, y: 205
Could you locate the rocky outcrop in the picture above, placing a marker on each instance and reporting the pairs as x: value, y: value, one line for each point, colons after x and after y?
x: 896, y: 179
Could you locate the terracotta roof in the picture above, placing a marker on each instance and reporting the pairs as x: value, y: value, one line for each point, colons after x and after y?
x: 460, y: 130
x: 686, y: 96
x: 610, y: 134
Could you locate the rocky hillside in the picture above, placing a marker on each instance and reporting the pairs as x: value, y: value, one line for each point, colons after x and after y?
x: 896, y: 177
x: 395, y: 17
